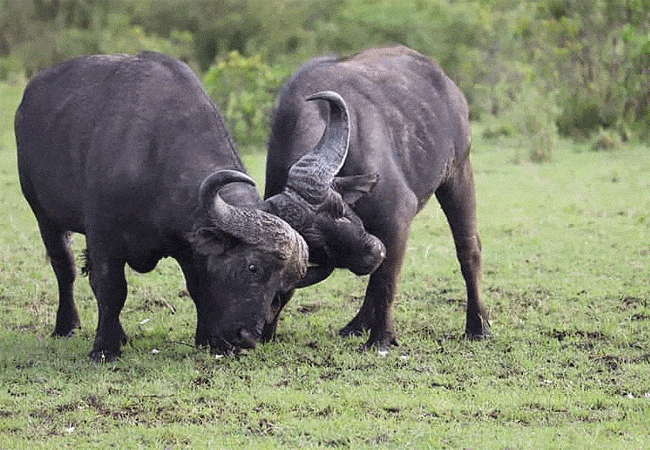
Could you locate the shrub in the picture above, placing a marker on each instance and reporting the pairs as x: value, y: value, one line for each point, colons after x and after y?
x: 11, y: 69
x: 244, y: 88
x: 535, y: 112
x: 523, y: 108
x: 607, y: 139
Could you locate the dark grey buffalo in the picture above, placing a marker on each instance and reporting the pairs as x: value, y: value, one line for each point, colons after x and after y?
x: 410, y: 131
x: 131, y: 152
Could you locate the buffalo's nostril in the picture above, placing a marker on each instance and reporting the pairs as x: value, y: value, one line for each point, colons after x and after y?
x: 379, y: 249
x: 375, y: 254
x: 246, y: 339
x: 219, y: 345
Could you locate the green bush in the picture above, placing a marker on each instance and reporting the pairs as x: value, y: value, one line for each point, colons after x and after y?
x: 11, y: 69
x: 244, y: 88
x: 606, y: 139
x: 591, y: 59
x: 42, y: 33
x: 522, y: 108
x: 598, y: 56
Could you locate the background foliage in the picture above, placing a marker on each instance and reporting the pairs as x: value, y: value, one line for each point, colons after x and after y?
x: 245, y: 89
x: 582, y: 66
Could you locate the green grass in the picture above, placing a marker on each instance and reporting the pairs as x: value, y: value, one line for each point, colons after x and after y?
x: 566, y: 276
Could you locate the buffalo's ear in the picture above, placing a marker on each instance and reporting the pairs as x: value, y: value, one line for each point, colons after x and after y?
x: 354, y: 187
x: 209, y: 241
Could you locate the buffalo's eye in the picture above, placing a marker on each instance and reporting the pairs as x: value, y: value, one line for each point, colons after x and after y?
x: 253, y: 268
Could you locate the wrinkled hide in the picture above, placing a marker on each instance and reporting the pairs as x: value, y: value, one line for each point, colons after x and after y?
x: 131, y: 152
x: 409, y: 129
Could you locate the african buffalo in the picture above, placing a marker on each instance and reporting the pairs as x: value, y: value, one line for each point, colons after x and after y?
x: 131, y: 152
x: 410, y: 136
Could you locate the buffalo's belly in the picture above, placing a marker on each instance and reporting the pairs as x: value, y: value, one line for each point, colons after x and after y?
x: 145, y: 247
x: 142, y: 260
x: 59, y: 212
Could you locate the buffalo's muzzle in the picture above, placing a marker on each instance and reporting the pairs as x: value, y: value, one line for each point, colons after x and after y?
x: 373, y: 257
x: 246, y: 339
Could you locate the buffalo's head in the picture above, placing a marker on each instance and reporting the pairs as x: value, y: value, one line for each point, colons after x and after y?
x: 242, y: 256
x: 317, y: 203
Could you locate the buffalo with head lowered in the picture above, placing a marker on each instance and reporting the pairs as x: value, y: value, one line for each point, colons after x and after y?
x: 409, y: 139
x: 131, y: 152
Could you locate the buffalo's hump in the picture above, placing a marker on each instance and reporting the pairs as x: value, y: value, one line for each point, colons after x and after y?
x: 130, y: 134
x: 405, y: 112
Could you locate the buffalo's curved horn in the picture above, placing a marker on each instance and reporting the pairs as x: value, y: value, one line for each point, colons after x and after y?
x: 269, y: 232
x: 312, y: 175
x: 315, y: 274
x: 215, y: 181
x: 254, y: 226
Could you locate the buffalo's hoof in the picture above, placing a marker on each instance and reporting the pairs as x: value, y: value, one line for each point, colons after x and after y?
x: 480, y: 332
x: 104, y: 356
x: 67, y: 331
x: 473, y: 336
x: 351, y: 331
x: 383, y: 343
x: 478, y: 335
x: 355, y: 328
x: 268, y: 333
x: 64, y: 334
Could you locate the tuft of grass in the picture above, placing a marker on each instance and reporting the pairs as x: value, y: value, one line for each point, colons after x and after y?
x: 566, y: 257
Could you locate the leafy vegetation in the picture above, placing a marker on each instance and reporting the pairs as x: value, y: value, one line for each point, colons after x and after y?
x: 566, y: 256
x: 244, y: 89
x: 580, y: 66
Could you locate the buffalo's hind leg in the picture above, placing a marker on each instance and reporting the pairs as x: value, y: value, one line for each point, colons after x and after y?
x: 458, y: 201
x: 57, y: 243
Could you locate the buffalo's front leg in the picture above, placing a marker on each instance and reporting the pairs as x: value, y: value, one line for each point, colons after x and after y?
x: 205, y: 321
x: 206, y: 316
x: 362, y: 321
x: 279, y: 302
x: 458, y: 200
x: 109, y: 286
x: 376, y: 313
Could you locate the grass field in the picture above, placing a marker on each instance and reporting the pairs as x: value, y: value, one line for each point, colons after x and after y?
x: 566, y: 276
